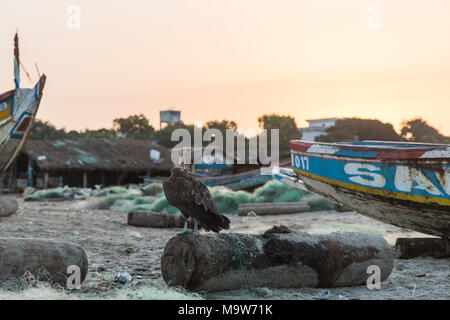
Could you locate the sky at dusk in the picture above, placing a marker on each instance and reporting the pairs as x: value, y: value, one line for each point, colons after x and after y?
x: 233, y: 59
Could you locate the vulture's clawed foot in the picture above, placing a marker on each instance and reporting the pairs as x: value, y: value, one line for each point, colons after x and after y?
x: 195, y: 226
x: 185, y: 229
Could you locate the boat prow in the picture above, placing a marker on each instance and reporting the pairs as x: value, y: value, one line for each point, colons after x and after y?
x: 404, y: 184
x: 18, y: 110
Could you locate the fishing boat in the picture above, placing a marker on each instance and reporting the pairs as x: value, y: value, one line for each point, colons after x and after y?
x: 18, y: 109
x: 240, y: 181
x: 404, y: 184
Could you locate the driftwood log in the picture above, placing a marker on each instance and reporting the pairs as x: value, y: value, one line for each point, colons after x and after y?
x: 273, y: 208
x: 279, y: 258
x: 152, y: 219
x: 408, y: 248
x: 8, y: 206
x: 46, y: 260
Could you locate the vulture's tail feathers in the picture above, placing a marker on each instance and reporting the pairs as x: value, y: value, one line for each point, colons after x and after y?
x: 225, y: 222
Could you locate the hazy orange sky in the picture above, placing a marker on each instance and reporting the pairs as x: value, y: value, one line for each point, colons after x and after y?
x: 233, y: 59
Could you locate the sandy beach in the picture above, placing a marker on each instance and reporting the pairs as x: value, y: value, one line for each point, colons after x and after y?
x: 113, y: 246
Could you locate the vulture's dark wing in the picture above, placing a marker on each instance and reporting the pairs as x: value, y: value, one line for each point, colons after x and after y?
x: 203, y: 197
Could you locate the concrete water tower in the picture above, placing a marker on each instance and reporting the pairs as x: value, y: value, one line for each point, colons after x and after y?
x: 169, y: 116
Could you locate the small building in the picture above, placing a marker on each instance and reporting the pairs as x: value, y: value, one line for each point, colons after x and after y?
x: 88, y: 162
x: 317, y: 127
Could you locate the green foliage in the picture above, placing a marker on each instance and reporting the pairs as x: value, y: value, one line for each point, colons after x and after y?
x: 221, y: 125
x: 45, y: 130
x: 286, y: 125
x: 164, y: 136
x: 355, y: 129
x: 418, y: 130
x: 100, y: 133
x: 135, y: 127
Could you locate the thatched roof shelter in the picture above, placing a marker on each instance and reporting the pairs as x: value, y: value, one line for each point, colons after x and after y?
x: 98, y: 154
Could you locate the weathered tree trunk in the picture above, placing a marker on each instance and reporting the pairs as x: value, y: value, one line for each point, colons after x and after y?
x: 155, y: 219
x: 279, y: 258
x: 273, y: 208
x: 45, y: 259
x: 408, y: 248
x: 8, y: 206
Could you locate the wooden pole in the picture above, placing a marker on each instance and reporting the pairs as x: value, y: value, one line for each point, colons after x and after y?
x: 85, y: 179
x: 152, y: 219
x: 273, y: 208
x: 46, y: 178
x: 45, y: 259
x: 30, y: 172
x: 279, y: 258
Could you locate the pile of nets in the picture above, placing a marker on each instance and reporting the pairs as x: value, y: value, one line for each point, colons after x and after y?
x: 276, y: 191
x: 228, y: 201
x: 65, y: 193
x: 152, y: 198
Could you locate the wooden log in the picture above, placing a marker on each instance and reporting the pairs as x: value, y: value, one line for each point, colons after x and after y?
x: 151, y: 219
x: 47, y: 260
x: 273, y: 208
x: 408, y: 248
x: 279, y: 258
x: 8, y: 206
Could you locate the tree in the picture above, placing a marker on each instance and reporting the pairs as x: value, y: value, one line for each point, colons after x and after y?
x: 221, y: 125
x: 99, y: 133
x: 163, y: 136
x: 286, y: 125
x: 45, y: 130
x: 135, y: 127
x: 418, y: 130
x: 355, y: 129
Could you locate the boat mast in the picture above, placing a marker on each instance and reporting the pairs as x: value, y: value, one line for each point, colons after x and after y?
x: 16, y: 61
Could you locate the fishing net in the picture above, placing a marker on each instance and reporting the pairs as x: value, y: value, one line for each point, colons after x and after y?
x: 58, y: 193
x: 97, y: 203
x: 111, y: 190
x: 123, y: 205
x: 49, y: 193
x: 29, y: 191
x: 318, y: 203
x: 152, y: 189
x: 142, y: 207
x: 275, y: 191
x: 242, y: 247
x: 228, y: 202
x: 162, y: 205
x: 144, y: 200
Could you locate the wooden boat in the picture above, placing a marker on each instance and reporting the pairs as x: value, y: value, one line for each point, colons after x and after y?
x: 404, y: 184
x: 18, y: 109
x: 239, y: 181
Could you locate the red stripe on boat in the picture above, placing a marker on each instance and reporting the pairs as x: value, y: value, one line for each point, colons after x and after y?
x: 297, y: 145
x: 400, y: 154
x: 7, y: 94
